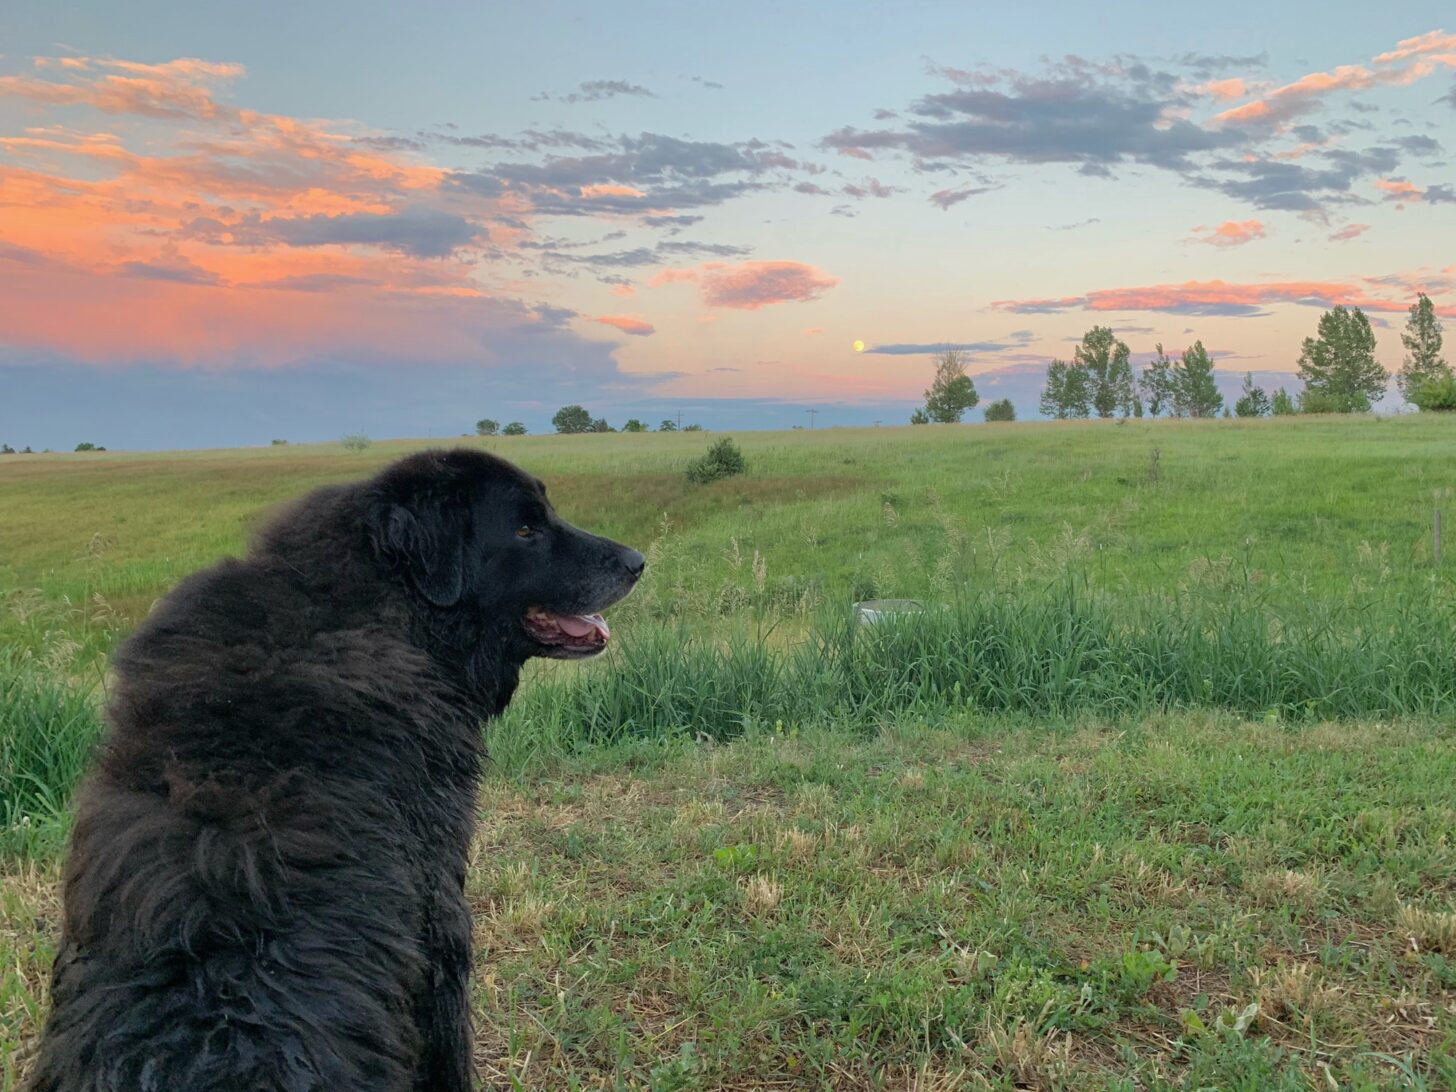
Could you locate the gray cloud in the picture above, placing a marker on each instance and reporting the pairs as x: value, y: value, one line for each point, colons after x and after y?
x: 1073, y: 227
x: 1443, y: 194
x: 1092, y: 115
x: 596, y: 91
x: 1017, y: 339
x: 176, y: 269
x: 945, y: 199
x: 422, y: 233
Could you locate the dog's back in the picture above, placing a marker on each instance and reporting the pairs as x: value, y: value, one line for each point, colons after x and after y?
x: 255, y: 851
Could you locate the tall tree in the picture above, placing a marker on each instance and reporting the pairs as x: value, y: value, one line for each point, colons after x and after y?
x: 1156, y: 383
x: 634, y: 425
x: 1109, y: 371
x: 1282, y: 405
x: 951, y: 393
x: 1253, y: 402
x: 1067, y: 392
x: 1195, y: 392
x: 572, y: 419
x: 1339, y: 367
x: 668, y: 425
x: 1422, y: 340
x: 486, y: 427
x: 515, y: 428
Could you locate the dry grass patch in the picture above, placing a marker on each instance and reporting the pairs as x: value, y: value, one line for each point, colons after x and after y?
x: 1427, y: 930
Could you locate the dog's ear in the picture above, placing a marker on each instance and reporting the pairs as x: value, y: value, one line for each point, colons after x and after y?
x: 426, y: 538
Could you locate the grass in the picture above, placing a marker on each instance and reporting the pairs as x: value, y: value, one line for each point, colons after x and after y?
x: 1156, y: 794
x: 1309, y: 508
x: 1181, y: 901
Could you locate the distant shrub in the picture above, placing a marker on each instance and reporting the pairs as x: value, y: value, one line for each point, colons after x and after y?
x: 515, y: 428
x: 356, y: 441
x: 6, y: 449
x: 723, y: 460
x: 279, y: 443
x: 486, y: 427
x: 692, y: 428
x: 1001, y: 410
x: 1436, y: 395
x: 88, y: 447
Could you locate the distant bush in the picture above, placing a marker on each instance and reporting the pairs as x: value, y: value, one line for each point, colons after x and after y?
x: 6, y: 449
x: 723, y: 460
x: 279, y: 443
x: 692, y: 428
x: 88, y: 447
x: 1436, y: 395
x: 1001, y: 410
x: 356, y: 441
x: 515, y: 428
x: 486, y: 427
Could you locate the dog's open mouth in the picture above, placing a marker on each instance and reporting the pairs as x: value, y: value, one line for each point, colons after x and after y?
x: 567, y: 636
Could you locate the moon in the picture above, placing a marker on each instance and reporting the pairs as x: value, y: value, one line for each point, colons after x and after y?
x: 859, y: 346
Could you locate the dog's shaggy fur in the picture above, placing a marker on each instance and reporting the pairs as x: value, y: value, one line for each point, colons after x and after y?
x: 264, y: 891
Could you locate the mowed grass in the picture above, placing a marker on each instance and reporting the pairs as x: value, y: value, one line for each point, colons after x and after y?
x: 1192, y: 901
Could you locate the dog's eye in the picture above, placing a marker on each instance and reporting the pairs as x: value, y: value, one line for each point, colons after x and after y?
x: 525, y: 531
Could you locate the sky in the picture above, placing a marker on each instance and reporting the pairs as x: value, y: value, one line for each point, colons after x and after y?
x: 225, y: 224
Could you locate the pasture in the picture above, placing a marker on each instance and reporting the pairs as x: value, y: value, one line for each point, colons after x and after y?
x: 1160, y: 798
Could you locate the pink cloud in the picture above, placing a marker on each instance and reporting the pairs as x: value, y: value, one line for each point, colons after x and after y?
x: 1216, y: 298
x: 813, y: 331
x: 628, y: 324
x: 1398, y: 189
x: 1231, y: 233
x: 1348, y: 232
x: 748, y: 286
x: 1413, y: 59
x: 1222, y: 90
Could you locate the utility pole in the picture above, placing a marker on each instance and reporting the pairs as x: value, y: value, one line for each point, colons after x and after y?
x: 811, y: 413
x: 679, y: 420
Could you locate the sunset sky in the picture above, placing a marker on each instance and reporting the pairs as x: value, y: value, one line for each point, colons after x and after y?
x: 221, y: 224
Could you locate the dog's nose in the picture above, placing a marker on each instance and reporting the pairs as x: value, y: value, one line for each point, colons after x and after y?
x: 632, y: 561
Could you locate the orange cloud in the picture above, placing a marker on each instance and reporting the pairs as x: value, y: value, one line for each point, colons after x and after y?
x: 628, y: 324
x: 1230, y: 233
x: 248, y: 235
x: 1398, y: 189
x: 1413, y: 59
x: 1222, y: 90
x: 748, y: 286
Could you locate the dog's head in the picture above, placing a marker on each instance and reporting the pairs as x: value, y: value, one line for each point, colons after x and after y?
x: 477, y: 543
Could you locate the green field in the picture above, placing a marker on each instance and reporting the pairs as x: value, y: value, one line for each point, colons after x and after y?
x: 1157, y: 795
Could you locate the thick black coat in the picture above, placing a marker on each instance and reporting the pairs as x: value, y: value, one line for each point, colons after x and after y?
x: 264, y: 891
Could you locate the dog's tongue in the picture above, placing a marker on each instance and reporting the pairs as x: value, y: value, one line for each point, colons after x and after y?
x: 583, y: 625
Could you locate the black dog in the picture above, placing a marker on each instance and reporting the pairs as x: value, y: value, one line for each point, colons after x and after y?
x: 265, y: 884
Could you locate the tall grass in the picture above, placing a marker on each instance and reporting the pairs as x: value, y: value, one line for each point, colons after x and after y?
x: 47, y: 731
x: 1060, y: 653
x: 1063, y: 652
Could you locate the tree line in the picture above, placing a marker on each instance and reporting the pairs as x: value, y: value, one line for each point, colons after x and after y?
x: 574, y: 420
x: 1337, y: 367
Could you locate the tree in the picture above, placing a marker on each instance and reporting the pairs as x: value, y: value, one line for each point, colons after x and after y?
x: 952, y: 392
x: 572, y: 419
x: 1283, y: 405
x: 1437, y: 395
x: 87, y: 446
x: 1157, y: 383
x: 919, y: 417
x: 1109, y: 371
x: 669, y: 425
x: 1001, y: 410
x: 600, y: 425
x: 515, y: 428
x: 692, y: 428
x: 1067, y: 392
x: 1422, y: 341
x: 1254, y: 402
x: 634, y: 425
x: 486, y: 427
x: 1339, y: 366
x: 1195, y: 394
